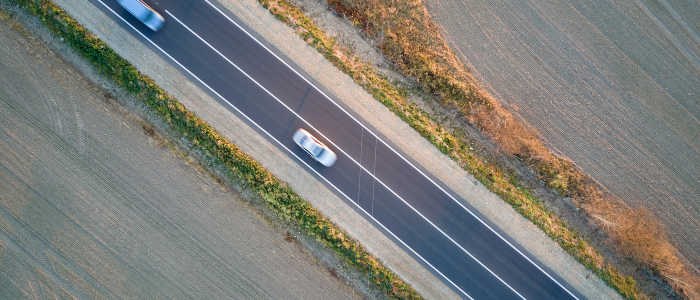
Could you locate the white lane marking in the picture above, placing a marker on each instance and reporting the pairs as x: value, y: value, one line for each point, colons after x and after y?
x: 345, y: 152
x: 283, y: 146
x: 387, y: 145
x: 341, y: 150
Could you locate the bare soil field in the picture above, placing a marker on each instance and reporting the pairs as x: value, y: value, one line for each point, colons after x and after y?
x: 92, y: 206
x: 612, y: 85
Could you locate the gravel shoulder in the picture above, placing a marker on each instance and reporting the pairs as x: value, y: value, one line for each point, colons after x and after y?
x: 343, y: 89
x: 92, y: 206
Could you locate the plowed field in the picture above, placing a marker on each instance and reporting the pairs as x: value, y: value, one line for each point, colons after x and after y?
x: 612, y: 85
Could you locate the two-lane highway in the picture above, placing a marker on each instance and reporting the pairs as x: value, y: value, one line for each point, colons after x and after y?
x: 206, y: 44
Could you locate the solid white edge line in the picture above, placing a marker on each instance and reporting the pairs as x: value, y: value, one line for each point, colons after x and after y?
x: 341, y: 150
x: 388, y: 146
x: 300, y: 118
x: 288, y: 150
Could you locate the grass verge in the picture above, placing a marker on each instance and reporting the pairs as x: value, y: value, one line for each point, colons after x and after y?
x: 279, y: 199
x: 412, y: 42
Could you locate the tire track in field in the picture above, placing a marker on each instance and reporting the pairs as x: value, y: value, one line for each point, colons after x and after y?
x: 605, y: 85
x: 25, y: 252
x: 99, y: 175
x: 694, y: 39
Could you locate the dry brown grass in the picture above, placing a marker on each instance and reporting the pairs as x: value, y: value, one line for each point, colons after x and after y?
x: 639, y: 235
x: 408, y: 37
x: 502, y: 127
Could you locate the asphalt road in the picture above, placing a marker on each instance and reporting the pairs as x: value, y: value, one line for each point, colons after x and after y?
x: 441, y: 231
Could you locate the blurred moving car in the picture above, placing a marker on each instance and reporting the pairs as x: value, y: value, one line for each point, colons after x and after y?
x: 144, y: 13
x: 318, y: 150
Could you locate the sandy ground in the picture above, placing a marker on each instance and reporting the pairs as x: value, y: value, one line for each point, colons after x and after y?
x: 612, y: 85
x: 92, y: 207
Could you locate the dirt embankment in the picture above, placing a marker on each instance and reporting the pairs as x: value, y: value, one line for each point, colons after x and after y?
x: 94, y: 206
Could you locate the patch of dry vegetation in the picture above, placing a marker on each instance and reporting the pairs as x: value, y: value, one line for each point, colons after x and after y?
x: 407, y: 36
x: 640, y: 236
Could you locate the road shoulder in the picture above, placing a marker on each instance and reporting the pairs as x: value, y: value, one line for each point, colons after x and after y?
x: 321, y: 71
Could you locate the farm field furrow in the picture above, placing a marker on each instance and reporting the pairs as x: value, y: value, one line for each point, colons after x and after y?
x: 612, y: 85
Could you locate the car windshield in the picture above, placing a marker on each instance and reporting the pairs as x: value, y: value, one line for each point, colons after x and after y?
x: 310, y: 145
x: 151, y: 19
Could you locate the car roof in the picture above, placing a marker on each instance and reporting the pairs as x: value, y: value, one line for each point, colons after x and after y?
x: 138, y: 8
x: 310, y: 144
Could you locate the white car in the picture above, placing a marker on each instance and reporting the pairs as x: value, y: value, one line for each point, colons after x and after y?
x: 318, y: 150
x: 144, y: 13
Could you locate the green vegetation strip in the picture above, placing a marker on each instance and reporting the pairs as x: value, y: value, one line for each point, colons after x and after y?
x: 490, y: 175
x: 279, y: 198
